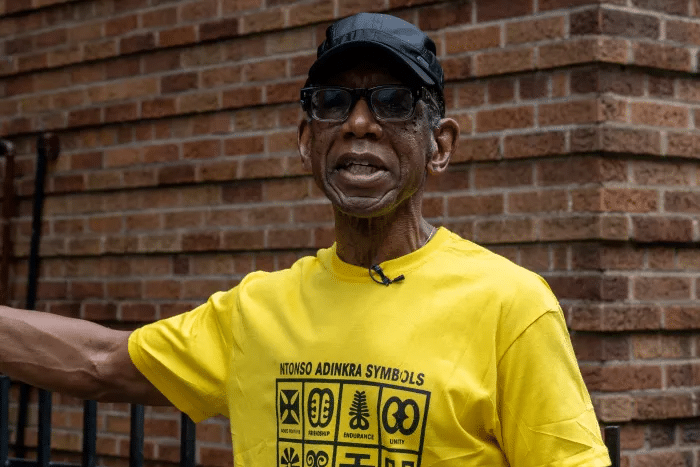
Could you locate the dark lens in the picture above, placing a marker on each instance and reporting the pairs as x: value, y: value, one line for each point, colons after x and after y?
x: 331, y: 104
x: 393, y: 103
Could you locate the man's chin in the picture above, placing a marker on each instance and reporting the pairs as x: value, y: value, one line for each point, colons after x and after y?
x: 362, y: 206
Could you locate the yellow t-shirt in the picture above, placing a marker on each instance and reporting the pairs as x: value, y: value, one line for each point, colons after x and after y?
x: 466, y: 362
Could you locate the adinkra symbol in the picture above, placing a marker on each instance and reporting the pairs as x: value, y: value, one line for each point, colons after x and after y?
x: 390, y: 463
x: 317, y: 459
x: 320, y: 407
x: 402, y: 422
x: 289, y: 458
x: 359, y: 412
x: 289, y: 407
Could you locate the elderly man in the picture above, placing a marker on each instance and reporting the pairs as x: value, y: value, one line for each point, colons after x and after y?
x: 401, y: 345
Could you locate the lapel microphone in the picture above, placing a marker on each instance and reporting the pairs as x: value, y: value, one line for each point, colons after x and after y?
x: 384, y: 280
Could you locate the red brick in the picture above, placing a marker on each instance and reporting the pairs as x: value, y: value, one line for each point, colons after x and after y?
x: 157, y: 108
x: 686, y: 33
x: 203, y: 9
x: 563, y: 113
x: 121, y: 112
x: 243, y: 97
x: 664, y: 406
x: 682, y: 317
x: 159, y: 18
x: 662, y: 173
x: 177, y: 36
x: 495, y: 63
x: 302, y: 14
x: 85, y: 117
x: 535, y: 30
x: 262, y: 21
x: 683, y: 202
x: 179, y: 82
x: 646, y: 113
x: 667, y: 459
x: 176, y: 174
x: 457, y: 68
x: 283, y: 92
x: 490, y: 176
x: 631, y: 317
x: 470, y: 205
x: 534, y: 86
x: 506, y: 118
x: 557, y: 4
x: 199, y: 102
x: 621, y: 378
x: 220, y: 29
x: 596, y: 347
x: 615, y: 200
x: 500, y: 9
x: 538, y: 201
x: 137, y: 43
x: 626, y: 141
x: 665, y: 57
x: 121, y: 25
x: 472, y: 39
x: 673, y: 7
x: 662, y: 288
x: 660, y: 229
x: 504, y: 231
x: 616, y: 408
x: 162, y: 61
x: 442, y: 16
x: 137, y: 312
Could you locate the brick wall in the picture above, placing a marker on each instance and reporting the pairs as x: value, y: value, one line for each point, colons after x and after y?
x: 579, y: 158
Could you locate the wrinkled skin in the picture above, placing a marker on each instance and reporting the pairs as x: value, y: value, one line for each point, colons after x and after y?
x: 374, y: 172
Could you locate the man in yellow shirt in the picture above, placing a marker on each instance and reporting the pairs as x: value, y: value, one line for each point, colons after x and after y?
x: 401, y: 345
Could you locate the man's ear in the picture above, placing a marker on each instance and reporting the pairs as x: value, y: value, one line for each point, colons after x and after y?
x: 304, y: 143
x: 446, y: 135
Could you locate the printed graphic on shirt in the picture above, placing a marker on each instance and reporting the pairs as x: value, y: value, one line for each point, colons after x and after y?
x: 349, y: 423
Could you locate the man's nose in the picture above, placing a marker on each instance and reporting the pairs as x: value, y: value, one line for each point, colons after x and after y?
x: 361, y: 122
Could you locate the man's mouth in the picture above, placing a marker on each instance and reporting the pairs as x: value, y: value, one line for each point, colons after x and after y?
x: 360, y: 168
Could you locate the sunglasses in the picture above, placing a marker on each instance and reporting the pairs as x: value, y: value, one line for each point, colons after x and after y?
x: 390, y: 103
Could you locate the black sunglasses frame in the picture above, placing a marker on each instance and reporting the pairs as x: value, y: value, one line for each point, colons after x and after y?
x: 356, y: 94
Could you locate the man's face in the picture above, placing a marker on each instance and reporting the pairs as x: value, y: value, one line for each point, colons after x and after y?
x: 364, y: 166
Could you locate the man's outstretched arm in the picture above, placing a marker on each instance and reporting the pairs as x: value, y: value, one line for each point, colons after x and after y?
x: 72, y: 356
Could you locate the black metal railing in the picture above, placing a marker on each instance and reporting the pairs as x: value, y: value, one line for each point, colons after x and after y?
x: 48, y: 149
x: 89, y: 454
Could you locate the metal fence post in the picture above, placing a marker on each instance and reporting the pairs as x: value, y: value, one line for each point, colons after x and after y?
x: 8, y: 209
x: 612, y: 442
x: 136, y: 441
x: 187, y: 441
x: 47, y: 148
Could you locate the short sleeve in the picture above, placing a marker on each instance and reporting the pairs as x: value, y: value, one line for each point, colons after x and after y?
x: 547, y: 418
x: 187, y: 357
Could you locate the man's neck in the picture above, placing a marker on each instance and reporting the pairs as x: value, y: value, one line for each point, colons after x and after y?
x: 369, y: 241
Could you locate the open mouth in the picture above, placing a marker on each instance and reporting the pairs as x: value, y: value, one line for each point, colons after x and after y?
x: 360, y: 168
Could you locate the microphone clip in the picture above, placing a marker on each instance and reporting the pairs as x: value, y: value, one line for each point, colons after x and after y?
x: 384, y: 279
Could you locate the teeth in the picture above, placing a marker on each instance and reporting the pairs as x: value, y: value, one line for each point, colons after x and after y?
x: 361, y: 169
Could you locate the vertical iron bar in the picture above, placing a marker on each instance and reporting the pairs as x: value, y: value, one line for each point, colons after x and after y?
x: 47, y: 147
x: 89, y: 433
x: 4, y: 420
x: 612, y: 441
x: 44, y: 447
x: 8, y: 209
x: 187, y: 441
x: 136, y: 441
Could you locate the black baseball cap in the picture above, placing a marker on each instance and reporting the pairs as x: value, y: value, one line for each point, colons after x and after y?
x: 384, y: 38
